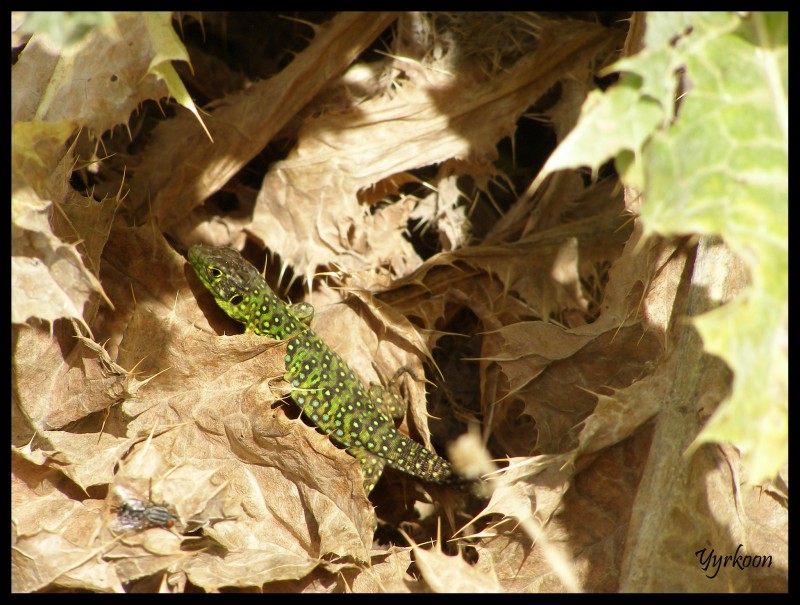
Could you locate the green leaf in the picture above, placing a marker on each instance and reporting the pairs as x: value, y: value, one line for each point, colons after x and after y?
x: 168, y: 47
x: 699, y: 123
x: 722, y: 169
x: 66, y: 29
x: 600, y: 134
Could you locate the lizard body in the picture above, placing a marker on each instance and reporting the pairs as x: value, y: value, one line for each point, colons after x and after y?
x: 323, y: 385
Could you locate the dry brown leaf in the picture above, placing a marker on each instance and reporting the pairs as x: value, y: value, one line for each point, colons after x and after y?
x: 386, y: 574
x: 308, y: 210
x: 444, y: 573
x: 180, y: 173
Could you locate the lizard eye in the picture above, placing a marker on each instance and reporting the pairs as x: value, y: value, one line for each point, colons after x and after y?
x: 214, y: 272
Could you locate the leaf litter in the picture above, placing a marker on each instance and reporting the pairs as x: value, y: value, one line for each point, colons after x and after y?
x: 162, y: 399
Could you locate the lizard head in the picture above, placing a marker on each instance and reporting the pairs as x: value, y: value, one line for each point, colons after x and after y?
x: 231, y: 280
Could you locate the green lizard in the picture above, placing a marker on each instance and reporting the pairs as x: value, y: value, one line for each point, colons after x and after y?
x: 324, y: 387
